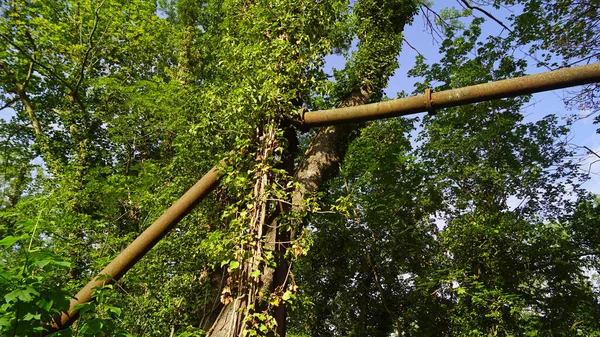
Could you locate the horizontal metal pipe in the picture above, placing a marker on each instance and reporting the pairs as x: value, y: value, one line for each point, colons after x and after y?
x: 557, y: 79
x: 141, y: 245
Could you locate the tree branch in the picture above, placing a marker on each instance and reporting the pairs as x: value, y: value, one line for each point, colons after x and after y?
x: 8, y: 72
x: 432, y: 25
x: 442, y: 21
x: 413, y: 48
x: 9, y: 103
x: 29, y: 73
x: 587, y: 58
x: 486, y: 13
x: 592, y: 152
x: 51, y: 160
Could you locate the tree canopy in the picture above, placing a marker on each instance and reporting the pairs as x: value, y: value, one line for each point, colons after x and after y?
x: 472, y: 222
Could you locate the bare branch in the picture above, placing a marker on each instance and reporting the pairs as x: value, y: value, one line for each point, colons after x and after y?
x: 588, y: 58
x: 29, y: 73
x: 442, y: 21
x: 413, y: 48
x: 592, y: 152
x: 431, y: 25
x: 590, y: 167
x: 486, y: 13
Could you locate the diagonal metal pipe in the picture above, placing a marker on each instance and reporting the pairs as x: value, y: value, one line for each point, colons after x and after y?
x: 557, y: 79
x: 563, y: 78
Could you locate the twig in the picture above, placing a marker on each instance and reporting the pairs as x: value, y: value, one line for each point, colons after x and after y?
x: 9, y: 103
x: 413, y: 48
x: 592, y: 152
x: 486, y: 13
x: 581, y: 60
x: 432, y: 25
x: 444, y: 23
x: 590, y: 167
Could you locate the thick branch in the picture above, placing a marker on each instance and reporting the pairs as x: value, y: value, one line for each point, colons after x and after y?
x: 42, y: 139
x: 29, y: 73
x: 20, y: 90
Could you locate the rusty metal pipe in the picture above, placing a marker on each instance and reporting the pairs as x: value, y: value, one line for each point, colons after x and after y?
x: 557, y: 79
x: 141, y: 245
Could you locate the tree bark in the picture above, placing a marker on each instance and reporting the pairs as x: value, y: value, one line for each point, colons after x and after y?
x: 326, y: 149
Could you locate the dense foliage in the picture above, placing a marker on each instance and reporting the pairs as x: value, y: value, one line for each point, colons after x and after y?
x: 468, y: 223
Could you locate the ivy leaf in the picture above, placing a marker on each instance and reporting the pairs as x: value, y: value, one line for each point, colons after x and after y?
x: 234, y: 265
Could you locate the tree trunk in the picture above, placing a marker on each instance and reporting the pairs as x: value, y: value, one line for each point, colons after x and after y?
x: 322, y: 158
x: 326, y: 149
x: 374, y: 62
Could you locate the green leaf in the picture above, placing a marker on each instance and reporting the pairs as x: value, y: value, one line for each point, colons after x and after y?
x: 4, y: 321
x: 114, y: 310
x: 9, y: 241
x: 85, y: 307
x: 92, y: 327
x: 234, y: 265
x: 29, y: 316
x: 24, y: 295
x: 49, y: 261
